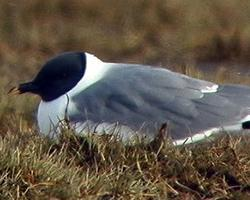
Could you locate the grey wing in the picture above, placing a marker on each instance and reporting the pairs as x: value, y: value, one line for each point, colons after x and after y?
x: 137, y: 97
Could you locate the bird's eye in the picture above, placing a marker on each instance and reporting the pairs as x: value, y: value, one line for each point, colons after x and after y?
x: 64, y: 75
x: 60, y: 76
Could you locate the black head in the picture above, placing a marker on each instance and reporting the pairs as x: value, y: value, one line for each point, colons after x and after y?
x: 57, y: 76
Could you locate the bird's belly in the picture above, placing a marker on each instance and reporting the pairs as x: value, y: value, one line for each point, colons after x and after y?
x: 50, y: 114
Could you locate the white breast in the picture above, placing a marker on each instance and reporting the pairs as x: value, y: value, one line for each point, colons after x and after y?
x: 50, y: 113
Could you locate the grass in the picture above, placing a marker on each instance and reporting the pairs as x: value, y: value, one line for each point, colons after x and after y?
x: 182, y: 35
x: 134, y: 31
x: 103, y: 168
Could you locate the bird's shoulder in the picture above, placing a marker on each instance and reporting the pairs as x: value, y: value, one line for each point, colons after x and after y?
x: 132, y: 86
x: 154, y: 78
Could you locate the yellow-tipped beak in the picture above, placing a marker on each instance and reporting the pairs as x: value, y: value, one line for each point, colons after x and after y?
x: 14, y: 91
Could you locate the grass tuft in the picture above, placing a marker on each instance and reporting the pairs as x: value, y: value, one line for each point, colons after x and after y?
x: 101, y: 167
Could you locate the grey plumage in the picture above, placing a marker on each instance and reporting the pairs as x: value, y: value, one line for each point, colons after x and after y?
x: 136, y: 95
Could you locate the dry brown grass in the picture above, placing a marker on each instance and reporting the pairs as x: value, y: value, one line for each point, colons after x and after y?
x: 142, y: 31
x: 102, y: 168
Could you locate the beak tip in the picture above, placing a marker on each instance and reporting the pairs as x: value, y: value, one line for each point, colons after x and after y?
x: 14, y: 91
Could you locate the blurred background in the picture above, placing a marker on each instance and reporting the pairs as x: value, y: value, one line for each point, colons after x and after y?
x: 207, y: 39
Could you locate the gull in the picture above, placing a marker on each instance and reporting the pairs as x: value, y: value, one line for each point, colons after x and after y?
x: 133, y: 100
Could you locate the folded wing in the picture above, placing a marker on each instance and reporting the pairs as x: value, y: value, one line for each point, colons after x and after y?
x: 142, y: 97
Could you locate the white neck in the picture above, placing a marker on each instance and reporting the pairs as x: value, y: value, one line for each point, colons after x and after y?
x: 95, y: 70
